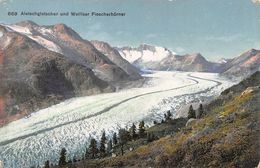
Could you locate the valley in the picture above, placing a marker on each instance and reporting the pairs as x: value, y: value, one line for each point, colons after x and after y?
x: 40, y: 136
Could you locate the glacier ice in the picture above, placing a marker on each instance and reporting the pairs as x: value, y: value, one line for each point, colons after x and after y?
x: 73, y: 122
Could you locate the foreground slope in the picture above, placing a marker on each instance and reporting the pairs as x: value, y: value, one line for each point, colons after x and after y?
x: 226, y: 136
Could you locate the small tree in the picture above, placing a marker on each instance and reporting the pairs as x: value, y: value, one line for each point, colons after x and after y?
x: 114, y: 138
x: 168, y: 115
x: 109, y: 146
x: 191, y: 113
x: 74, y: 159
x: 133, y: 131
x: 93, y: 148
x: 102, y: 148
x: 123, y: 138
x: 62, y: 160
x: 200, y: 111
x: 47, y: 164
x: 141, y: 129
x: 87, y: 153
x: 150, y: 137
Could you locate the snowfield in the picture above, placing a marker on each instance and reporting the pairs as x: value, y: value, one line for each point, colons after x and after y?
x: 146, y: 55
x: 42, y: 40
x: 32, y: 141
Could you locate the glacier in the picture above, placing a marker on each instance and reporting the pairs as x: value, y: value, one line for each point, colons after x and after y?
x: 33, y: 140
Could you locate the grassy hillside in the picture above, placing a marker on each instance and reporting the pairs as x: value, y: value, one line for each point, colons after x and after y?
x: 226, y: 136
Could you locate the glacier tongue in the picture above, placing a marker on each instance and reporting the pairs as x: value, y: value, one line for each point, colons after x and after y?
x: 72, y: 123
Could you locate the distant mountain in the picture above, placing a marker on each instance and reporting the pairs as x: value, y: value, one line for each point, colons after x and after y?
x: 116, y: 58
x: 243, y: 65
x: 159, y: 58
x: 144, y: 54
x: 189, y: 62
x: 223, y: 60
x: 43, y: 65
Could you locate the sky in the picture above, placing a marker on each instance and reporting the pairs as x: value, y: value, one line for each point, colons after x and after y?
x: 214, y: 28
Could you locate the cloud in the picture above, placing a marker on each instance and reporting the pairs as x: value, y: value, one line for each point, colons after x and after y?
x: 149, y: 36
x: 180, y: 50
x: 95, y: 27
x: 224, y: 38
x: 4, y: 3
x: 256, y: 1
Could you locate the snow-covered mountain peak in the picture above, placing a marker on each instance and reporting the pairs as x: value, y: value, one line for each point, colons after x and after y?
x: 17, y: 28
x: 145, y: 53
x: 27, y: 23
x: 40, y: 34
x: 222, y: 60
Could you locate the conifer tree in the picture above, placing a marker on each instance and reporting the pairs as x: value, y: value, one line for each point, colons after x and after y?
x: 200, y: 111
x: 102, y: 148
x: 109, y: 146
x: 62, y: 160
x: 168, y: 115
x: 141, y: 129
x: 123, y: 138
x: 74, y: 159
x: 133, y: 131
x: 191, y: 113
x: 47, y: 164
x: 115, y: 139
x: 87, y: 153
x: 148, y: 137
x: 93, y: 148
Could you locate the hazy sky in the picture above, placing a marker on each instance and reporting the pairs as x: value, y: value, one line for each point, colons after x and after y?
x: 215, y: 28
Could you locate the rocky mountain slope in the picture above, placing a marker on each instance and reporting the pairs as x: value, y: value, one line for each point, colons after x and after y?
x: 243, y: 65
x: 226, y: 135
x: 43, y: 65
x: 116, y: 58
x: 189, y: 62
x: 64, y: 40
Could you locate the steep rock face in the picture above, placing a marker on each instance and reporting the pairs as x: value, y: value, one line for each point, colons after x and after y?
x: 243, y: 65
x: 72, y: 43
x: 33, y: 77
x: 116, y: 58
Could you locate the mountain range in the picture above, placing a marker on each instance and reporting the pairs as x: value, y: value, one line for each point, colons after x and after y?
x: 160, y: 58
x: 44, y: 65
